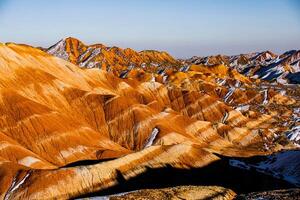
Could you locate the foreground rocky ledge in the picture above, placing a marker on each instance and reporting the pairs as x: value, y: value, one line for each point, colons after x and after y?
x: 201, y: 192
x: 174, y: 193
x: 290, y: 194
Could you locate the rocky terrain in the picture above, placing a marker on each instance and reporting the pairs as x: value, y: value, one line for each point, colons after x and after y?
x: 276, y: 194
x: 89, y: 120
x: 119, y: 61
x: 182, y: 192
x: 284, y: 68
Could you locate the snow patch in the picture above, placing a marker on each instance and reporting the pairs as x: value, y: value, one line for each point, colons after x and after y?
x: 165, y: 78
x: 225, y: 117
x: 58, y: 50
x: 229, y: 93
x: 238, y: 164
x: 72, y: 150
x: 237, y: 84
x: 152, y: 137
x: 15, y: 185
x: 242, y: 108
x: 221, y: 82
x: 152, y: 78
x: 28, y: 161
x: 265, y: 101
x: 283, y: 165
x: 94, y: 53
x: 294, y: 134
x: 184, y: 68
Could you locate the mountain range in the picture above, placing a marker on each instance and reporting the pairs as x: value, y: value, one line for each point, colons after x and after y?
x: 265, y: 65
x: 89, y: 120
x: 284, y: 68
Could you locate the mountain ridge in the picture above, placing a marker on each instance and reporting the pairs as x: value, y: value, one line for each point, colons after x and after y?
x: 263, y: 65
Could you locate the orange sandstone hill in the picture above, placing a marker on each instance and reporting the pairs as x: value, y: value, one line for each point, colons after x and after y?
x: 110, y: 58
x: 68, y: 132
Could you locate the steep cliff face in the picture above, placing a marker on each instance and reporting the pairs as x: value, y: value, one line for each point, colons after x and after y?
x: 57, y: 119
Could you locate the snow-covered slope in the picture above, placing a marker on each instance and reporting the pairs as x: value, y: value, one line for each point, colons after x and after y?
x: 265, y: 65
x: 284, y: 165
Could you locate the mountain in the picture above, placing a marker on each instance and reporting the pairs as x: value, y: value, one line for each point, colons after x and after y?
x: 264, y: 65
x: 110, y: 58
x: 70, y: 132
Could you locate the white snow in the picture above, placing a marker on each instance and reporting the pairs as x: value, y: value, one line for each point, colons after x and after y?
x: 28, y: 161
x: 296, y: 66
x: 184, y: 68
x: 229, y: 93
x: 59, y: 50
x: 266, y: 75
x: 91, y: 65
x: 268, y: 56
x: 282, y: 92
x: 14, y: 186
x: 297, y: 110
x: 72, y: 150
x: 165, y: 77
x: 239, y: 164
x: 221, y: 82
x: 225, y: 117
x: 143, y: 65
x: 283, y: 165
x: 152, y: 78
x: 86, y: 52
x: 152, y: 137
x: 294, y: 134
x: 154, y: 64
x: 94, y: 53
x: 130, y: 67
x: 281, y: 79
x: 237, y: 84
x: 255, y: 77
x: 286, y: 163
x: 242, y: 108
x: 265, y: 101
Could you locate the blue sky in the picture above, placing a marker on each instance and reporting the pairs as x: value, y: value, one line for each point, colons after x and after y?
x: 182, y: 27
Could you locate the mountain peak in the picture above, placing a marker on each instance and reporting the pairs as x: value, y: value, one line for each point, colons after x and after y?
x: 71, y: 39
x: 100, y: 56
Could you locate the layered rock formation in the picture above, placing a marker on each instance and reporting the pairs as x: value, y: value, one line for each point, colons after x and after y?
x: 263, y: 65
x: 68, y: 132
x: 112, y: 59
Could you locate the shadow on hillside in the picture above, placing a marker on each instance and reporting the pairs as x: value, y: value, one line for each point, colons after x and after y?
x: 219, y: 173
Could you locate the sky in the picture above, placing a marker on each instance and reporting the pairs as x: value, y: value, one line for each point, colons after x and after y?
x: 183, y: 28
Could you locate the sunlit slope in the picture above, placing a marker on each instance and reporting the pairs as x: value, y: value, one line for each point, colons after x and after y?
x: 55, y: 114
x: 113, y: 59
